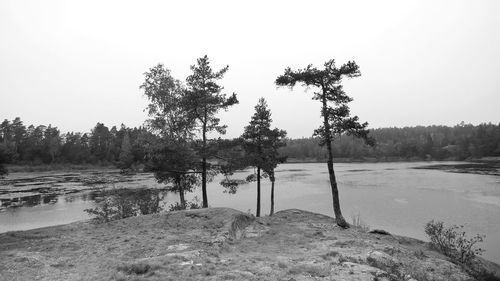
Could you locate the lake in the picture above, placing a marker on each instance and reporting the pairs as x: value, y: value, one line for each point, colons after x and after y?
x: 396, y: 197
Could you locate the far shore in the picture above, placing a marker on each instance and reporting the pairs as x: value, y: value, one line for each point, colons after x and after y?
x: 16, y: 168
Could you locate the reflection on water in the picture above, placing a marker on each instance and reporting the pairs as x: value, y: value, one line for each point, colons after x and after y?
x: 391, y: 196
x: 29, y: 201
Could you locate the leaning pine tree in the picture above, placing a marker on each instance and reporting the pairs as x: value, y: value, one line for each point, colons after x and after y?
x: 337, y: 119
x: 261, y: 144
x: 203, y: 100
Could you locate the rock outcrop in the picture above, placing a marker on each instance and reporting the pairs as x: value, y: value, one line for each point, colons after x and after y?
x: 220, y: 244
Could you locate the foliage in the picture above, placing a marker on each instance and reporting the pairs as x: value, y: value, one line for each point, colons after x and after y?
x: 123, y: 203
x: 335, y: 111
x: 203, y: 100
x: 138, y: 268
x: 193, y: 204
x: 171, y: 157
x: 100, y: 142
x: 126, y: 158
x: 231, y: 185
x: 459, y: 142
x: 453, y: 242
x: 337, y: 119
x: 3, y: 160
x: 148, y: 201
x: 261, y: 144
x: 105, y: 212
x: 46, y: 145
x: 230, y: 157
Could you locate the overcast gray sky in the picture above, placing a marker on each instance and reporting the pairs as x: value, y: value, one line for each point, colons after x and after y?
x: 75, y: 63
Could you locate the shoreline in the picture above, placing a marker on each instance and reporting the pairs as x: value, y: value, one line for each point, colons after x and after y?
x: 219, y: 244
x: 16, y: 168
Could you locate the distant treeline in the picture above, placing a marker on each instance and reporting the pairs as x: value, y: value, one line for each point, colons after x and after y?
x: 33, y: 145
x: 30, y: 145
x: 463, y: 141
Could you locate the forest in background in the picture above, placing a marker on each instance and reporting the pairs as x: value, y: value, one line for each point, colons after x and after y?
x: 460, y: 142
x: 37, y: 145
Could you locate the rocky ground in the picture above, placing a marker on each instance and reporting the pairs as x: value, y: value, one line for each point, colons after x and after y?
x: 220, y: 244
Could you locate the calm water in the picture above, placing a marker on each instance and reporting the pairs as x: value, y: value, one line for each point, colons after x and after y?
x: 391, y: 196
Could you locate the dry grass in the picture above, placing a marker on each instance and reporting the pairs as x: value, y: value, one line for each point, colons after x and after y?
x: 196, y: 245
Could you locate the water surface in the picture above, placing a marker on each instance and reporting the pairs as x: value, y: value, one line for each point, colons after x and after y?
x: 391, y: 196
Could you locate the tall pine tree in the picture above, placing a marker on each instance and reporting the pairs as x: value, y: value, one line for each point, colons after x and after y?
x: 261, y: 145
x: 336, y: 115
x: 203, y: 100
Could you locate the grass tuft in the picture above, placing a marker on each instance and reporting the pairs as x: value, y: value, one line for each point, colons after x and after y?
x: 135, y: 268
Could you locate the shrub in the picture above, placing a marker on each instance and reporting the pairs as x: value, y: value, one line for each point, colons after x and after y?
x: 105, y: 212
x: 453, y: 242
x: 123, y: 203
x: 135, y: 268
x: 149, y: 202
x: 194, y: 204
x: 239, y: 223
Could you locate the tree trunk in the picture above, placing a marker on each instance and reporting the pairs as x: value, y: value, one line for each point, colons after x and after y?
x: 204, y: 169
x: 204, y: 182
x: 181, y: 196
x: 258, y: 192
x: 272, y: 195
x: 339, y: 219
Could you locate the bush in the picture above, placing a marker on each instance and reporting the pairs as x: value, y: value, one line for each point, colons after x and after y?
x: 193, y: 204
x: 149, y: 202
x: 105, y: 212
x: 453, y: 242
x: 123, y: 203
x: 135, y: 268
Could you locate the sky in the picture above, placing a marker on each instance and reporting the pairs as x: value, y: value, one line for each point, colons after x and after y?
x: 75, y: 63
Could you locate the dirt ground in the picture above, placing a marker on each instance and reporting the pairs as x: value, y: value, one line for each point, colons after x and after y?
x: 220, y: 244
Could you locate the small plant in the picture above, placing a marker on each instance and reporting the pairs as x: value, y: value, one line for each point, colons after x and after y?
x: 176, y: 207
x: 239, y: 223
x: 419, y: 254
x: 135, y: 268
x: 329, y: 255
x: 453, y: 242
x: 359, y: 223
x: 193, y: 204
